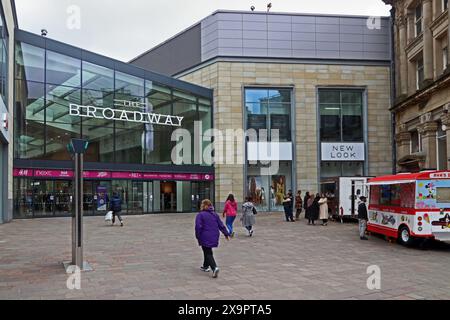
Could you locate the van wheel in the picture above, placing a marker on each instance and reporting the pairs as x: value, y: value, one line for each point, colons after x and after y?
x: 404, y: 236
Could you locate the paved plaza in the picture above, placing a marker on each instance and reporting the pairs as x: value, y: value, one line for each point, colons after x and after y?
x: 157, y: 257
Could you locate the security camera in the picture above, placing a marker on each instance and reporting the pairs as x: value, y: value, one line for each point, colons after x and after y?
x: 252, y: 8
x: 44, y: 32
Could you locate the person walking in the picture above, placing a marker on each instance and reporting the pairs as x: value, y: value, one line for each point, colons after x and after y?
x: 288, y: 207
x: 248, y: 215
x: 298, y: 205
x: 323, y: 203
x: 116, y: 208
x: 229, y: 213
x: 207, y: 232
x: 362, y: 217
x: 314, y: 209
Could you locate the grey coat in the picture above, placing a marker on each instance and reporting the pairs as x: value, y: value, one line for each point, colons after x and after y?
x: 248, y: 218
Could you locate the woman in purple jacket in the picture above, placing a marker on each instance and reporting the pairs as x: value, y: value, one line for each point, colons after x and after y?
x: 207, y: 227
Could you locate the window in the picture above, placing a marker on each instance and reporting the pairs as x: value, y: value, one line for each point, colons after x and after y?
x: 442, y: 195
x: 341, y: 115
x: 395, y: 195
x: 418, y: 19
x: 63, y: 70
x: 269, y: 109
x: 444, y: 5
x: 445, y: 58
x: 416, y: 142
x: 419, y: 73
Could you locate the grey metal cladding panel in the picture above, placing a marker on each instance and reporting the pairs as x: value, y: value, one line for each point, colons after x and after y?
x: 351, y: 29
x: 376, y: 55
x: 230, y: 51
x: 325, y: 37
x: 303, y: 27
x: 304, y: 45
x: 327, y: 46
x: 303, y: 53
x: 254, y: 17
x: 250, y: 34
x: 208, y: 21
x: 230, y: 43
x: 210, y: 54
x: 375, y: 47
x: 357, y: 55
x: 210, y: 37
x: 280, y: 53
x: 352, y: 21
x: 296, y: 36
x: 351, y: 46
x: 230, y: 25
x: 351, y: 38
x: 221, y: 16
x: 278, y: 44
x: 279, y: 35
x: 176, y: 55
x: 274, y: 26
x: 327, y: 20
x: 258, y: 26
x: 280, y: 19
x: 304, y: 19
x: 230, y: 34
x: 323, y: 54
x: 327, y: 28
x: 251, y: 43
x: 376, y: 38
x: 255, y: 52
x: 210, y: 45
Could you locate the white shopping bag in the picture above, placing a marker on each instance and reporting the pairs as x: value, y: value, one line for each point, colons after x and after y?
x: 109, y: 216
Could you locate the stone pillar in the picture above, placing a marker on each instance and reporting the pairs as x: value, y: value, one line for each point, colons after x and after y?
x: 445, y: 119
x: 402, y: 52
x: 410, y: 25
x: 428, y: 131
x: 427, y: 40
x: 403, y: 141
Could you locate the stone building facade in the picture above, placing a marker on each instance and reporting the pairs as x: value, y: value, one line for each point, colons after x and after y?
x: 310, y: 60
x: 422, y: 95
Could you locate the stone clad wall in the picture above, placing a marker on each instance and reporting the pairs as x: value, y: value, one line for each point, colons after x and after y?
x: 228, y: 79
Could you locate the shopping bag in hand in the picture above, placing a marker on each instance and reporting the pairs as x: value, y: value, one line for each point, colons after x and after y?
x: 108, y: 216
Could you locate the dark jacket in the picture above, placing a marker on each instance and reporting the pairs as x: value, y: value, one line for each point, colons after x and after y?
x: 305, y: 201
x: 116, y: 204
x: 288, y: 204
x: 362, y: 211
x: 207, y: 227
x: 314, y: 210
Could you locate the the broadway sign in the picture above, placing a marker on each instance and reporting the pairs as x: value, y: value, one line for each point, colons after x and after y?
x: 141, y: 115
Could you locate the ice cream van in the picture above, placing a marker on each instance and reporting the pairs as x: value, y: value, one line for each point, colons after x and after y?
x: 410, y: 206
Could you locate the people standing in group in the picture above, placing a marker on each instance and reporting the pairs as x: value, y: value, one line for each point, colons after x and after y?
x: 314, y: 209
x: 363, y: 218
x: 298, y: 205
x: 288, y: 204
x: 229, y: 213
x: 323, y: 204
x: 248, y: 216
x: 308, y: 207
x: 208, y: 226
x: 116, y: 208
x: 305, y: 203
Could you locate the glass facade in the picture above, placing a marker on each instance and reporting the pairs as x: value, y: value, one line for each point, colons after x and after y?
x: 269, y: 109
x: 48, y: 82
x: 3, y: 62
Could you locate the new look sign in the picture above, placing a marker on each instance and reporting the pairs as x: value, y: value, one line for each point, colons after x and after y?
x: 125, y: 111
x: 336, y: 151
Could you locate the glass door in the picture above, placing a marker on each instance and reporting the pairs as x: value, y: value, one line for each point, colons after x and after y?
x: 44, y: 198
x: 63, y: 198
x: 148, y: 197
x: 136, y: 204
x: 88, y: 198
x: 168, y: 196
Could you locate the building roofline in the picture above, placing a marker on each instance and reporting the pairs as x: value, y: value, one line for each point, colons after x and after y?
x: 250, y: 12
x: 89, y: 56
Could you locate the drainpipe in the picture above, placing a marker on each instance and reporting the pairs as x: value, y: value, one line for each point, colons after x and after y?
x: 393, y: 91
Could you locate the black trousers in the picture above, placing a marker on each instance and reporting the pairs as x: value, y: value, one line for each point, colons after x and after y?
x: 289, y: 214
x: 116, y: 213
x: 208, y: 258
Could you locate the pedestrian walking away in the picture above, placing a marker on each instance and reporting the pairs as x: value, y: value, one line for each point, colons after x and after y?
x: 208, y: 226
x: 362, y: 217
x: 248, y: 216
x: 116, y: 208
x: 298, y: 205
x: 323, y: 203
x: 229, y: 213
x: 288, y: 204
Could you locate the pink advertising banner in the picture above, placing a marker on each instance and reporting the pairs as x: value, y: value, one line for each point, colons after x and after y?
x: 113, y: 175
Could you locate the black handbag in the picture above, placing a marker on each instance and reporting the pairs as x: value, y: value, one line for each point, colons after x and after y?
x: 254, y: 210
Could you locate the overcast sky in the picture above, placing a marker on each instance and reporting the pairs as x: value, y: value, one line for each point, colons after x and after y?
x: 123, y: 29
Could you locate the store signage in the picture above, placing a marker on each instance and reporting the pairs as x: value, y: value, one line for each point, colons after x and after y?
x: 119, y: 114
x: 335, y: 151
x: 113, y: 175
x: 440, y: 175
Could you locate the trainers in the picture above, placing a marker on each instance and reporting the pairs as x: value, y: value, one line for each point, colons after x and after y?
x: 121, y: 223
x: 364, y: 238
x: 251, y: 233
x: 207, y: 269
x: 215, y: 272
